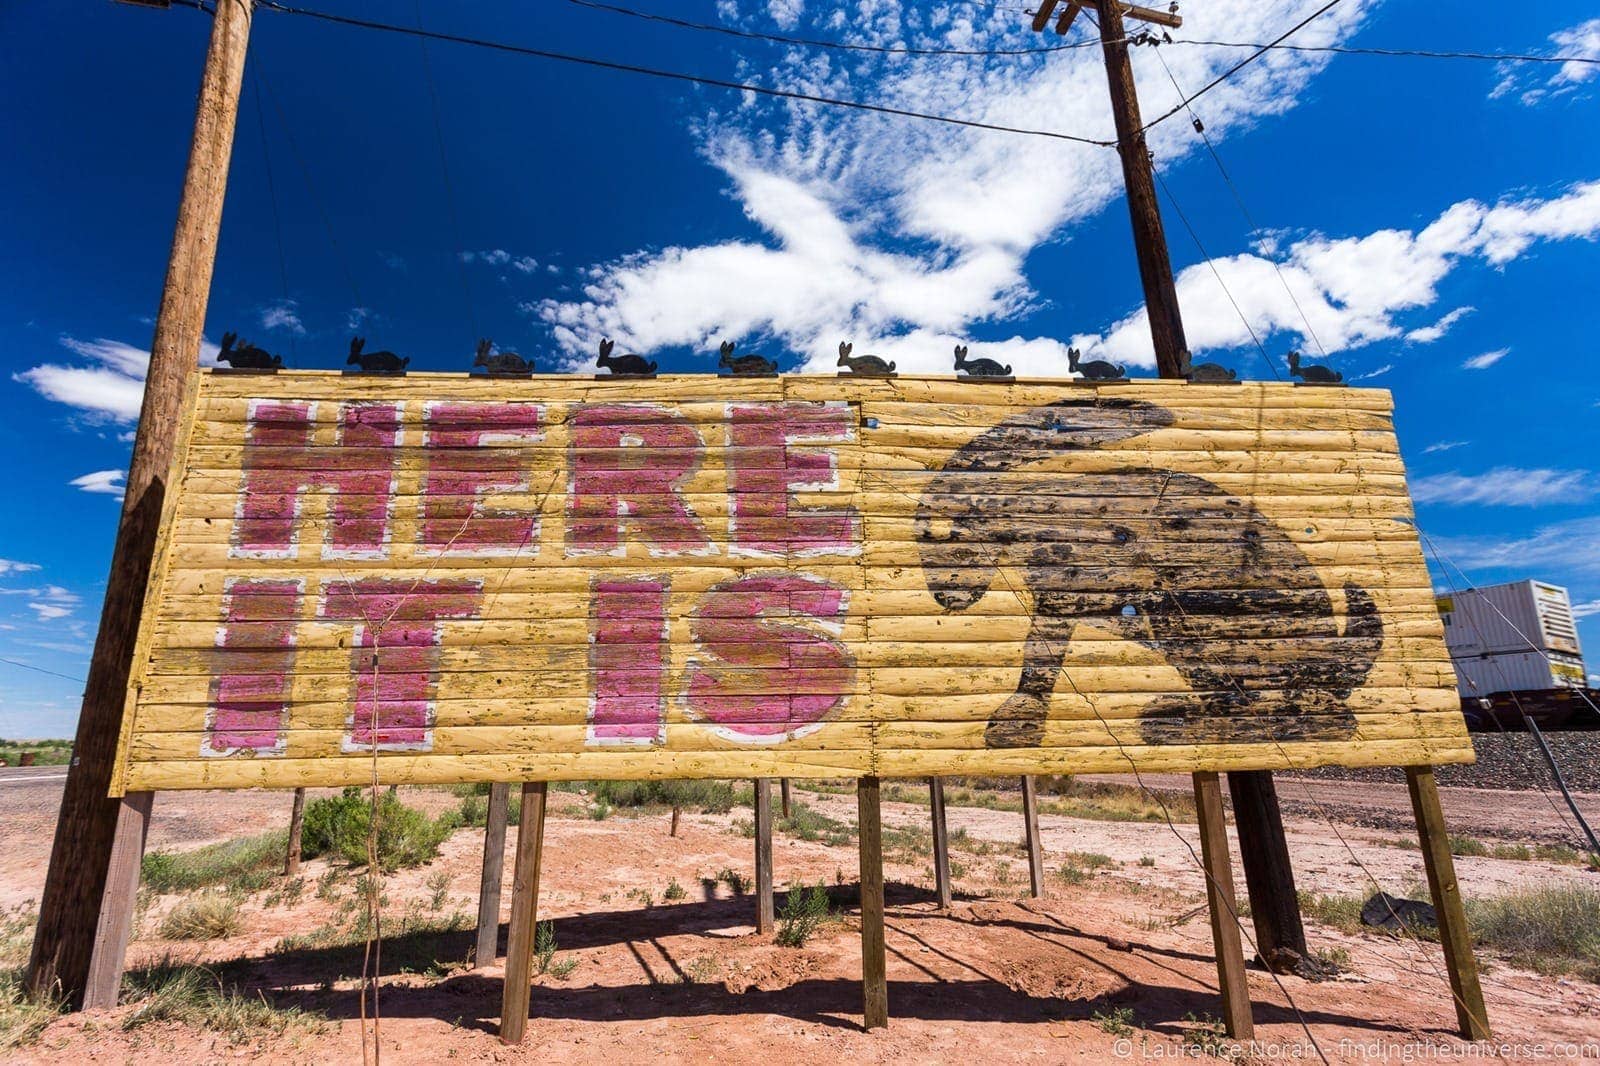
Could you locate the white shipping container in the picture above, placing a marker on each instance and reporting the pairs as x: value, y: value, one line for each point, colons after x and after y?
x: 1481, y: 675
x: 1521, y: 616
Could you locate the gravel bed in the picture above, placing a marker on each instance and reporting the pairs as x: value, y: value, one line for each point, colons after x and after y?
x: 1505, y: 761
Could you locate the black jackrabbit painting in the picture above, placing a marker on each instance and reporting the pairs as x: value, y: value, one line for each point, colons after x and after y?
x: 702, y: 576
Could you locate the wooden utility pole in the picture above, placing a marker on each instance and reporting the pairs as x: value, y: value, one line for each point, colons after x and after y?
x: 86, y: 829
x: 1144, y: 211
x: 1263, y: 848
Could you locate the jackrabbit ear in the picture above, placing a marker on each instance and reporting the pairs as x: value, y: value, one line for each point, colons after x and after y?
x: 356, y: 343
x: 727, y: 348
x: 228, y: 339
x: 845, y: 349
x: 961, y: 350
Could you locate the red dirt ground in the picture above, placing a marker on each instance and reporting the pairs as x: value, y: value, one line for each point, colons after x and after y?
x: 998, y: 977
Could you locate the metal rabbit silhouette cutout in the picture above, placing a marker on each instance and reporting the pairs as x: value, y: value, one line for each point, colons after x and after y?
x: 1205, y: 373
x: 1313, y: 373
x: 863, y: 366
x: 745, y: 366
x: 501, y: 364
x: 624, y: 366
x: 242, y: 355
x: 383, y: 363
x: 979, y: 368
x: 1094, y: 369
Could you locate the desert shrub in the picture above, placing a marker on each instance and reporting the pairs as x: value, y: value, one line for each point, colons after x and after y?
x: 1341, y: 912
x: 196, y: 997
x: 211, y: 916
x: 1553, y: 929
x: 803, y: 911
x: 807, y: 823
x: 711, y: 797
x: 247, y: 864
x: 736, y: 881
x: 338, y: 825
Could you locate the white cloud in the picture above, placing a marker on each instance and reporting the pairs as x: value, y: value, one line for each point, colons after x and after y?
x: 833, y: 193
x: 1586, y: 610
x: 108, y: 482
x: 54, y: 602
x: 1351, y: 289
x: 844, y: 198
x: 1486, y: 360
x: 111, y: 388
x: 1379, y: 372
x: 1429, y: 334
x: 1445, y: 445
x: 356, y: 317
x: 1507, y: 486
x: 1562, y: 547
x: 11, y: 566
x: 284, y: 315
x: 1532, y: 86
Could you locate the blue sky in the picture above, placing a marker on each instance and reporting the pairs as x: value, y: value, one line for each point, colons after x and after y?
x: 1435, y: 221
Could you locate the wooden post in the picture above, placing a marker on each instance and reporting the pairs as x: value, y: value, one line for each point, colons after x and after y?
x: 297, y: 822
x: 1144, y: 210
x: 116, y: 909
x: 86, y: 828
x: 1268, y: 877
x: 874, y: 962
x: 1224, y: 911
x: 524, y: 915
x: 941, y: 843
x: 494, y: 864
x: 783, y: 789
x: 764, y: 916
x: 1472, y: 1018
x: 1030, y: 823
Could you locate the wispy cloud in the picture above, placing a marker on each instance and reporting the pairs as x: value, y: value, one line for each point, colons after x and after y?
x: 1486, y: 360
x: 110, y: 388
x: 1562, y: 547
x: 1379, y: 372
x: 1586, y: 610
x: 1579, y: 42
x: 283, y: 315
x: 11, y: 566
x: 902, y: 236
x: 1445, y: 445
x: 108, y: 482
x: 54, y: 602
x: 1507, y: 486
x: 1429, y: 334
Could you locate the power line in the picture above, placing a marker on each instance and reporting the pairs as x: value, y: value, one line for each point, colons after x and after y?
x: 1238, y: 198
x: 1414, y: 53
x: 811, y: 42
x: 671, y: 75
x: 42, y: 670
x: 1246, y: 61
x: 1140, y: 38
x: 1173, y: 200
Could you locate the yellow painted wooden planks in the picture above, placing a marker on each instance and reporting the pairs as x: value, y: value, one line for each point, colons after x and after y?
x: 701, y: 576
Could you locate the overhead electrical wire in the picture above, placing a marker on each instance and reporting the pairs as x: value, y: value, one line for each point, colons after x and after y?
x: 671, y: 75
x: 1246, y: 61
x: 1143, y: 36
x: 41, y: 670
x: 811, y: 42
x: 1238, y: 198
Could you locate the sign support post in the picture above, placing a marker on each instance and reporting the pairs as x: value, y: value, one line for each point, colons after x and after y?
x: 524, y: 914
x: 494, y: 864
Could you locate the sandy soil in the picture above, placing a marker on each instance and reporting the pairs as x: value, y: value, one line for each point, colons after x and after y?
x: 998, y: 976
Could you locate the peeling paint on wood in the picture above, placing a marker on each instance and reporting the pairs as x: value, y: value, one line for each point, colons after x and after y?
x: 692, y: 576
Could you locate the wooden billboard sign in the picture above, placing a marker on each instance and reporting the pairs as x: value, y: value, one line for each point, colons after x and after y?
x: 687, y: 576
